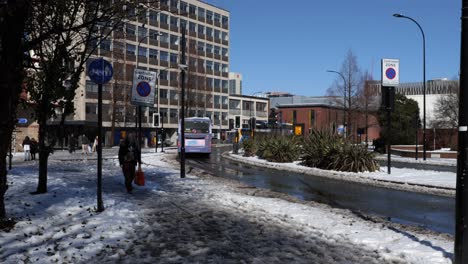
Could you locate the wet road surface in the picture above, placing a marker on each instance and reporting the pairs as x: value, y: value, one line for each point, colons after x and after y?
x: 425, y: 210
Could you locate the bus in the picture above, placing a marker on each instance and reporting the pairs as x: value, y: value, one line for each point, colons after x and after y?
x: 198, y: 135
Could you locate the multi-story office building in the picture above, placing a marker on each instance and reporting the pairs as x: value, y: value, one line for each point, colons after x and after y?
x: 243, y: 107
x: 235, y: 83
x: 152, y: 42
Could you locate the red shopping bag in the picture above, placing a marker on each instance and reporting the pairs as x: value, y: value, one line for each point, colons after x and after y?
x: 139, y: 177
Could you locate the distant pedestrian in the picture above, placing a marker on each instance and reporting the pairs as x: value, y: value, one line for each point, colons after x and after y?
x: 34, y: 148
x: 72, y: 144
x: 84, y: 144
x: 27, y: 148
x: 95, y: 144
x: 129, y: 156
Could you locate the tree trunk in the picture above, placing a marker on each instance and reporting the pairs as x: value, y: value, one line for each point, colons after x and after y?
x: 12, y: 23
x: 44, y: 152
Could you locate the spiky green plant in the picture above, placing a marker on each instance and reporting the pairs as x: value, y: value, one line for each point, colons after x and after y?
x: 281, y: 149
x: 327, y: 151
x: 250, y: 147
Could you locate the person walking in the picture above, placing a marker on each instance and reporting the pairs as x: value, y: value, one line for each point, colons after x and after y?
x: 34, y: 148
x: 129, y: 157
x: 71, y: 144
x: 95, y: 144
x: 27, y: 148
x: 84, y: 144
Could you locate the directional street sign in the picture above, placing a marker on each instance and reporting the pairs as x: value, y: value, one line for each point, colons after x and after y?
x: 144, y: 86
x: 390, y: 72
x: 100, y: 71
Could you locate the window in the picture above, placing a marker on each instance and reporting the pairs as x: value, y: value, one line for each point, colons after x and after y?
x: 209, y: 48
x: 225, y: 20
x: 183, y: 23
x: 225, y: 85
x: 174, y: 40
x: 217, y: 67
x: 209, y: 32
x: 209, y: 65
x: 217, y: 34
x: 164, y: 37
x: 164, y: 56
x: 209, y: 15
x: 153, y: 16
x: 163, y: 18
x: 91, y: 108
x: 173, y: 77
x: 153, y: 54
x: 217, y: 50
x: 163, y: 93
x: 192, y: 9
x: 312, y: 118
x: 224, y: 100
x: 174, y: 3
x: 131, y: 49
x: 225, y: 68
x: 163, y: 113
x: 91, y: 87
x: 201, y: 46
x: 183, y: 6
x: 209, y: 82
x: 224, y: 36
x: 130, y: 29
x: 192, y: 27
x: 153, y: 34
x: 217, y: 18
x: 224, y: 52
x: 217, y: 83
x: 294, y: 116
x: 201, y: 29
x: 173, y: 113
x: 105, y: 45
x: 201, y: 12
x: 173, y: 57
x: 142, y: 51
x: 142, y: 32
x: 174, y: 21
x: 163, y: 75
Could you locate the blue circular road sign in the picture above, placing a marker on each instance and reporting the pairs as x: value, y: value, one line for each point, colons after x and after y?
x: 100, y: 71
x: 143, y: 89
x: 390, y: 73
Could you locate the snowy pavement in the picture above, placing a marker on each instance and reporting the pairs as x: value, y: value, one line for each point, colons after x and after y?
x: 198, y: 219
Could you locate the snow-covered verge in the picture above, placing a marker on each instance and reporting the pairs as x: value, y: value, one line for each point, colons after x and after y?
x: 424, y: 181
x: 192, y: 220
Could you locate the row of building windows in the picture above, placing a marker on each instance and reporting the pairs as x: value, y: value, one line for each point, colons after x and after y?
x: 202, y: 47
x: 185, y: 8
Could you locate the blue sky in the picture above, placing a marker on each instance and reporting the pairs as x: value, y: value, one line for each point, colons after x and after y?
x: 289, y: 45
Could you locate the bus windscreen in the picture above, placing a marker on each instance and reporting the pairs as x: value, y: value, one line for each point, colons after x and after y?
x: 194, y: 126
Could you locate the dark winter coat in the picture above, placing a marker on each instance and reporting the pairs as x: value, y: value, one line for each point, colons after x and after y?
x: 129, y: 153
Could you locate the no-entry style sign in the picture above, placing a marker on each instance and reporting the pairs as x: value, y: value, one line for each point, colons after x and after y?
x: 390, y: 72
x: 144, y: 86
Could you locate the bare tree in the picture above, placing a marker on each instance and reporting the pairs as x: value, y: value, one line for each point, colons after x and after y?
x: 446, y: 111
x: 347, y: 95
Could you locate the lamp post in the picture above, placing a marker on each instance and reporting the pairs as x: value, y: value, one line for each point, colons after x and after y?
x: 182, y: 108
x: 424, y: 79
x: 344, y: 100
x: 461, y: 197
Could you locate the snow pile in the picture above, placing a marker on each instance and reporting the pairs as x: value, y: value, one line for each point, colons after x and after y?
x: 190, y: 220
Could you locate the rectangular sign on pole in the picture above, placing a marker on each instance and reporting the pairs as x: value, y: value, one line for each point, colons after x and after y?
x: 390, y: 72
x: 144, y: 87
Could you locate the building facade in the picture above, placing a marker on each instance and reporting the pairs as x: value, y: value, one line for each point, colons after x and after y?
x: 243, y: 107
x: 152, y: 43
x: 235, y: 83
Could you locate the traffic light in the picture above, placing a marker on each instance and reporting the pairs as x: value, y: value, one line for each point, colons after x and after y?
x: 156, y: 120
x: 253, y: 122
x: 238, y: 122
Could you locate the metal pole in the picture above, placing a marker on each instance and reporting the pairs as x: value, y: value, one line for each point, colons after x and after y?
x: 389, y: 132
x: 424, y: 79
x: 163, y: 137
x: 182, y: 108
x: 139, y: 127
x: 100, y: 205
x: 461, y: 198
